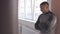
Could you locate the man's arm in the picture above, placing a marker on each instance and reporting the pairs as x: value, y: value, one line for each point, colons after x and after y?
x: 36, y: 24
x: 53, y: 25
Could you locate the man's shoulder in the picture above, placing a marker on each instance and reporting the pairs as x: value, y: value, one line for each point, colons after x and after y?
x: 51, y: 12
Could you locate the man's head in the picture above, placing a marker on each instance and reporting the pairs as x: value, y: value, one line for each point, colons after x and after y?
x: 44, y: 7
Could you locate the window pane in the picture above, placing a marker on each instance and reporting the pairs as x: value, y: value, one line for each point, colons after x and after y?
x: 28, y: 9
x: 21, y: 12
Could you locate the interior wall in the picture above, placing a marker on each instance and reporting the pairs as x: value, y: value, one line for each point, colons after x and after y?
x: 8, y: 17
x: 56, y: 8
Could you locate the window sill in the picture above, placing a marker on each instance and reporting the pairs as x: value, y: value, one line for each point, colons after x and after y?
x: 26, y: 20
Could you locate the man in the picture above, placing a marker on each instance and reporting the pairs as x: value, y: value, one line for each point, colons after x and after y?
x: 44, y: 20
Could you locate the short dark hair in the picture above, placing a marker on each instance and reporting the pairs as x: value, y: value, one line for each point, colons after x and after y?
x: 43, y: 3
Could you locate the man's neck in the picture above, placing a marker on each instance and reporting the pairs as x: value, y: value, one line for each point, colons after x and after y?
x: 45, y: 12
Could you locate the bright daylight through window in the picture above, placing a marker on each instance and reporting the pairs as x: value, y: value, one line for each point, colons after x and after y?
x: 29, y: 9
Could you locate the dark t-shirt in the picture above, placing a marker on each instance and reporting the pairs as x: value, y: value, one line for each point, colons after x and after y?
x: 44, y: 21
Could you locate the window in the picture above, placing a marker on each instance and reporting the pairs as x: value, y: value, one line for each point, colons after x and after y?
x: 29, y: 9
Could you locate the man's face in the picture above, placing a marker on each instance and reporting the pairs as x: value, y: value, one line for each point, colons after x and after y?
x: 45, y: 8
